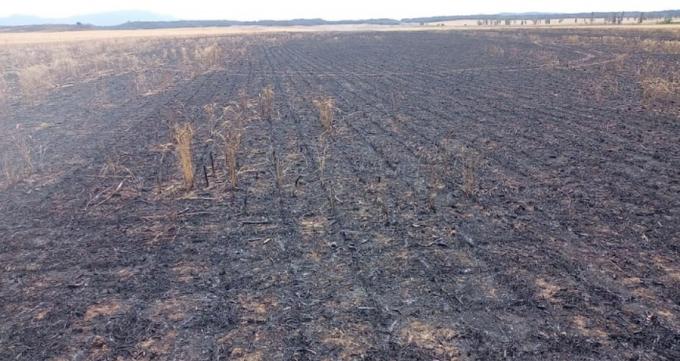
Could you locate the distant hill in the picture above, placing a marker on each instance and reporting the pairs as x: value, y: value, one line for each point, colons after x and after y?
x: 100, y: 19
x: 216, y: 23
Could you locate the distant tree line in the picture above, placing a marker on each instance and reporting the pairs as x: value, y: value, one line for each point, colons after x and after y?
x: 540, y: 18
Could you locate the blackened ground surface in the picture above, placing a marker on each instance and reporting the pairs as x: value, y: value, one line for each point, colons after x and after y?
x: 566, y: 248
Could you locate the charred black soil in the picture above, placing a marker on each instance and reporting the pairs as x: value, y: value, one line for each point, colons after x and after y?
x: 482, y: 196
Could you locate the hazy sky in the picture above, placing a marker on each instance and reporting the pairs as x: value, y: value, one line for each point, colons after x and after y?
x: 334, y: 9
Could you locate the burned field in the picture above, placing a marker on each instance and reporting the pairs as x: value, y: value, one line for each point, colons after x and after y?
x: 337, y: 196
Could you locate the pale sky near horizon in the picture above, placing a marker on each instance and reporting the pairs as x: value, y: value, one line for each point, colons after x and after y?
x: 330, y: 10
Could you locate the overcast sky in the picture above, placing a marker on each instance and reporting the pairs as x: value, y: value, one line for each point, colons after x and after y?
x: 332, y: 10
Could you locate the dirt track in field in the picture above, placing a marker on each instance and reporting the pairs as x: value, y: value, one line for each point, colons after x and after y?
x: 567, y: 248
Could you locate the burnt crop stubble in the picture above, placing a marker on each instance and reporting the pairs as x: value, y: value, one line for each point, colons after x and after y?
x: 477, y: 194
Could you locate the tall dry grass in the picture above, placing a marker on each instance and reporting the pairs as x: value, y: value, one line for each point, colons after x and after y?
x: 232, y: 122
x: 209, y: 56
x: 326, y: 108
x: 656, y: 88
x: 660, y: 46
x: 35, y: 80
x: 183, y: 141
x: 153, y: 64
x: 659, y: 81
x: 18, y: 161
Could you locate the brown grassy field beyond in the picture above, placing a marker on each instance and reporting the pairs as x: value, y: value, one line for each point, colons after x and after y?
x: 10, y: 38
x: 69, y: 36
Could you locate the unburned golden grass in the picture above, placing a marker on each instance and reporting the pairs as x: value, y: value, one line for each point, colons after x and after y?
x: 326, y: 108
x: 151, y: 65
x: 209, y: 56
x: 183, y: 140
x: 35, y: 80
x: 231, y: 131
x: 659, y: 89
x: 658, y: 82
x: 661, y: 46
x: 18, y: 161
x: 65, y: 65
